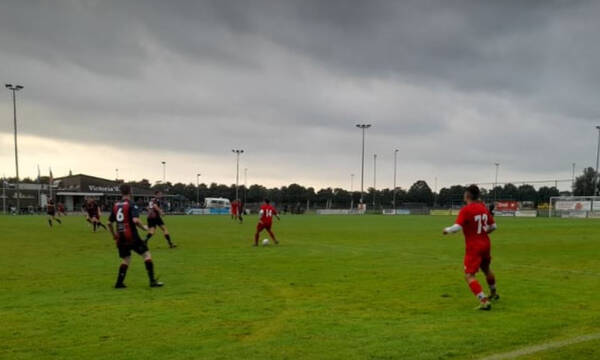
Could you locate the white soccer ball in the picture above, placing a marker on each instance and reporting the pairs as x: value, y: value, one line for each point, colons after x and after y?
x: 265, y: 242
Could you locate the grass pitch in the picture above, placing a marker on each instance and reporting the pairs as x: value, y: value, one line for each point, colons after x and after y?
x: 338, y: 287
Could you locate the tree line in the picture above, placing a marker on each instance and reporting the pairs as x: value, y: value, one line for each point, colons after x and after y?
x: 419, y: 193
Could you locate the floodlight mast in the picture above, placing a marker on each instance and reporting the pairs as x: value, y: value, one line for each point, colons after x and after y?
x: 496, y: 182
x: 14, y: 89
x: 374, y: 178
x: 237, y: 172
x: 198, y: 189
x: 395, y: 172
x: 595, y: 192
x: 363, y: 127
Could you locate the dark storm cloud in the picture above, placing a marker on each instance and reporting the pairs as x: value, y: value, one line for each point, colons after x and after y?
x: 448, y: 82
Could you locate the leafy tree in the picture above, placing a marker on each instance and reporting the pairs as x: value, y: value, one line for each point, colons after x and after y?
x: 420, y: 192
x: 452, y: 195
x: 509, y: 192
x: 527, y: 193
x: 545, y: 193
x: 584, y: 184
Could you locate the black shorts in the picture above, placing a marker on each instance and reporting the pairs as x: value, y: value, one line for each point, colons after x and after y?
x: 154, y: 222
x: 51, y: 213
x: 125, y: 248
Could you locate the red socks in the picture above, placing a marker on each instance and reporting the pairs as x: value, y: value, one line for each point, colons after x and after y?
x: 477, y: 290
x: 475, y: 287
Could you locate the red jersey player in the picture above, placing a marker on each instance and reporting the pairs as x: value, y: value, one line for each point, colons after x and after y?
x: 236, y: 210
x: 476, y: 222
x: 267, y: 211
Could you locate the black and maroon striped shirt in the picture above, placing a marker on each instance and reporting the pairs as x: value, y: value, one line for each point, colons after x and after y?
x: 123, y: 213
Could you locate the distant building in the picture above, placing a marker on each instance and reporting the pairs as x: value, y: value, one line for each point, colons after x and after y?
x: 32, y: 196
x: 74, y: 189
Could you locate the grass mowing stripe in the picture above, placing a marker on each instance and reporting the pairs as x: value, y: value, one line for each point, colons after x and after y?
x: 543, y: 347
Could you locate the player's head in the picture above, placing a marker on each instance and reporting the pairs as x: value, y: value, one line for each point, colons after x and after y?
x: 472, y: 193
x: 125, y: 190
x: 267, y: 201
x: 157, y: 193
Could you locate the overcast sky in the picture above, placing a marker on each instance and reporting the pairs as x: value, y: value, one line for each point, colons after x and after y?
x: 454, y: 85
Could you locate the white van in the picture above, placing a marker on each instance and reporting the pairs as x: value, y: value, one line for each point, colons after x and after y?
x: 217, y: 203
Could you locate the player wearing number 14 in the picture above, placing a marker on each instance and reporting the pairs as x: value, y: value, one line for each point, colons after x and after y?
x: 266, y: 213
x: 476, y: 222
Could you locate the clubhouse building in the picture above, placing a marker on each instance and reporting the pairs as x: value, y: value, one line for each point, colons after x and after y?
x: 72, y: 191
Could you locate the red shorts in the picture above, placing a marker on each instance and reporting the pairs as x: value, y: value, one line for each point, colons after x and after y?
x: 476, y: 259
x: 260, y: 227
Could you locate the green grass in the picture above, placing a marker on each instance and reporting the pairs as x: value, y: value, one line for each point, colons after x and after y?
x: 371, y: 287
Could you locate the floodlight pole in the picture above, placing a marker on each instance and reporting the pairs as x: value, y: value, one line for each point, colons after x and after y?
x: 496, y: 182
x: 237, y: 173
x: 597, y: 163
x: 4, y: 195
x: 364, y: 127
x: 395, y: 172
x: 245, y: 185
x: 14, y: 89
x: 374, y: 178
x: 351, y: 191
x: 198, y: 189
x: 572, y: 178
x: 164, y: 165
x: 117, y: 174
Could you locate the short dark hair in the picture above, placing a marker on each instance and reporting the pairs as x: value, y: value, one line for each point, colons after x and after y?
x: 157, y: 192
x: 125, y: 189
x: 267, y: 201
x: 473, y: 191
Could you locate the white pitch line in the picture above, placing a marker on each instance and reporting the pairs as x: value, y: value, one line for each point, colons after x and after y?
x: 543, y: 347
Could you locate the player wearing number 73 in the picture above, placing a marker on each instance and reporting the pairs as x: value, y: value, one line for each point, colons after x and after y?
x: 476, y: 222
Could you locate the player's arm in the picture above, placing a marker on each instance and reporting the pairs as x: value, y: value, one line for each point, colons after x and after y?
x: 139, y: 223
x: 491, y: 227
x: 158, y: 210
x: 452, y: 229
x: 458, y: 224
x: 111, y: 220
x: 276, y: 214
x: 135, y: 216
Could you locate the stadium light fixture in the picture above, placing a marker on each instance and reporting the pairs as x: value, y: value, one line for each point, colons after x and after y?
x: 237, y: 152
x: 363, y: 127
x: 14, y: 89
